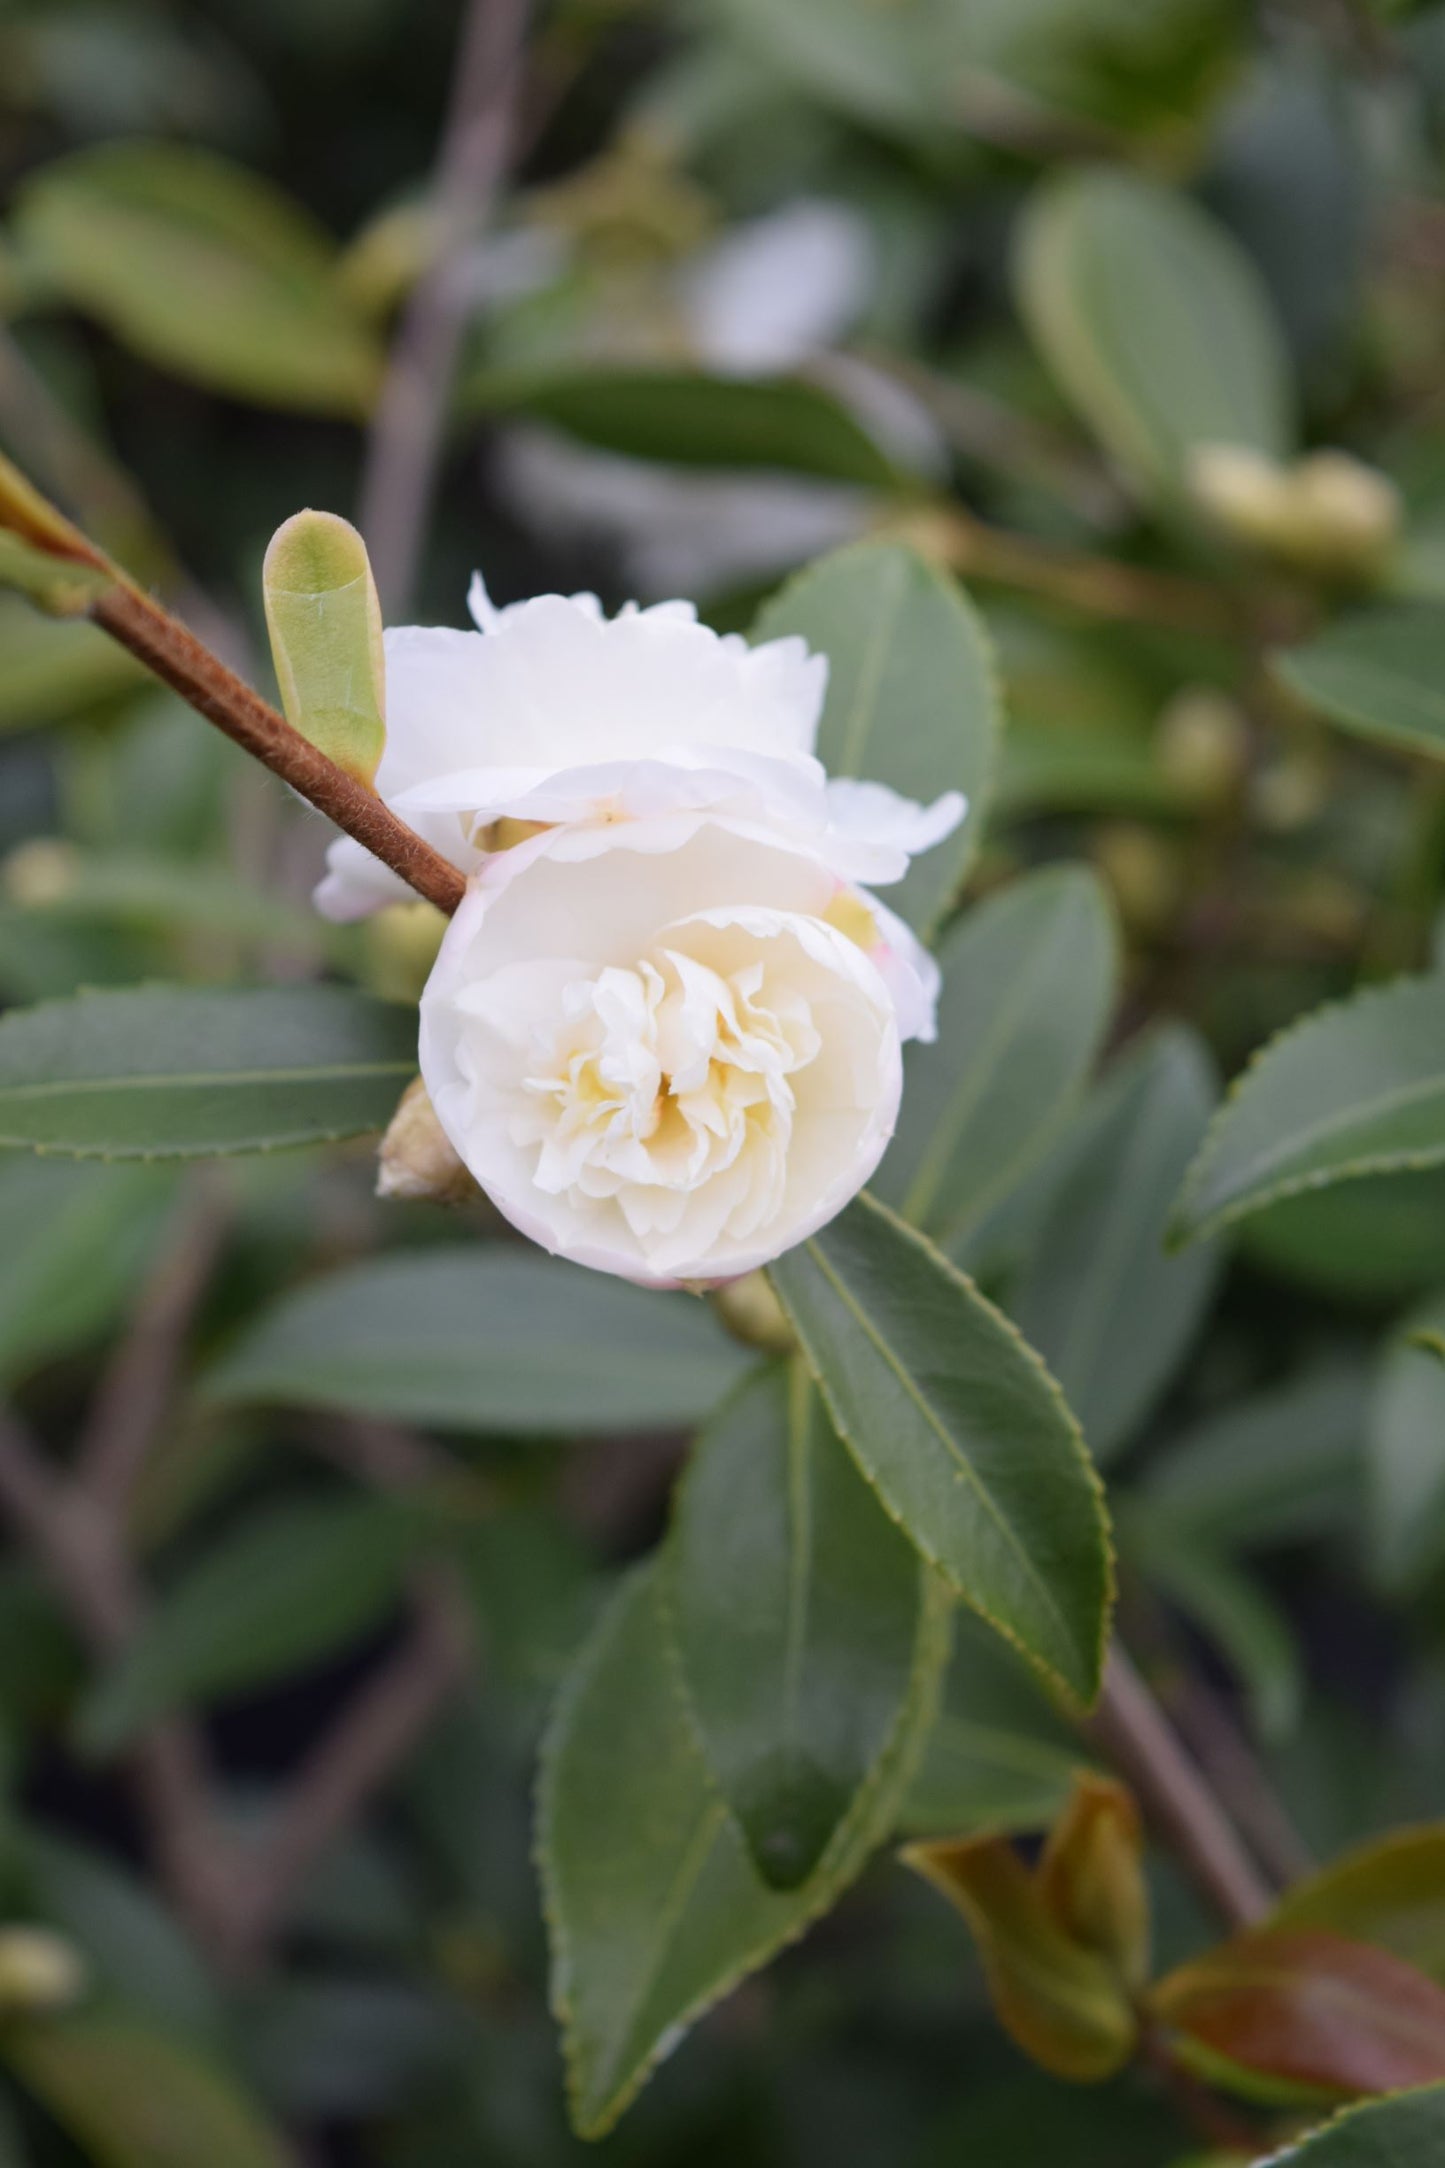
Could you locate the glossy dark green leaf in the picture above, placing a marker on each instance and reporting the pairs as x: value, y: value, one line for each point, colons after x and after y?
x: 1407, y: 2132
x: 1028, y: 985
x: 288, y: 1585
x: 1364, y: 1242
x: 1406, y: 1455
x: 1282, y: 1466
x: 967, y: 1439
x: 1000, y: 1756
x: 912, y: 700
x: 205, y: 269
x: 76, y: 1235
x: 486, y: 1337
x: 1110, y: 1313
x: 794, y: 1604
x: 1380, y: 676
x: 686, y: 419
x: 136, y: 2098
x: 1155, y: 323
x: 171, y: 1072
x: 1354, y: 1089
x: 654, y: 1908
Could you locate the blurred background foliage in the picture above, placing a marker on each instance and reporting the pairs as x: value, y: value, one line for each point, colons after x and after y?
x: 769, y: 275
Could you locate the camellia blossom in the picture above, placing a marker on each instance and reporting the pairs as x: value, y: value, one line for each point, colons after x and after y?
x: 551, y: 712
x: 669, y: 1048
x: 663, y: 1031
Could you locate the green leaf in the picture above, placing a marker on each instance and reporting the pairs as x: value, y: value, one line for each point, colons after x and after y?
x: 204, y: 269
x: 1380, y: 675
x: 1283, y: 1466
x: 133, y: 2098
x: 1112, y: 1315
x: 1370, y: 1243
x: 1355, y: 1089
x: 486, y: 1337
x: 134, y: 1947
x: 1232, y: 1611
x: 1406, y: 1456
x: 1155, y: 323
x: 653, y: 1906
x: 1028, y: 985
x: 1389, y: 1891
x: 686, y: 419
x: 324, y: 620
x: 794, y: 1605
x: 170, y: 1072
x: 77, y: 1236
x: 912, y: 700
x: 962, y: 1432
x: 290, y: 1584
x: 55, y: 669
x: 1000, y: 1758
x: 1401, y: 2133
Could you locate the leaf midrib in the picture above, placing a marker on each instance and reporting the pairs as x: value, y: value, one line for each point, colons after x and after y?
x: 201, y: 1079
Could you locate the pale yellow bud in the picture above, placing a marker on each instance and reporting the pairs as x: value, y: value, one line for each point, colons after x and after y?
x: 43, y: 871
x: 754, y: 1315
x: 416, y: 1160
x: 1348, y: 515
x: 39, y: 1971
x: 1203, y: 742
x: 401, y: 945
x: 1244, y: 491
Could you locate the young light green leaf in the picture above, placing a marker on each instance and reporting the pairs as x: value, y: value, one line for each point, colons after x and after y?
x: 912, y: 700
x: 1405, y: 2132
x: 654, y: 1909
x: 794, y: 1606
x: 290, y: 1584
x: 205, y: 269
x: 177, y: 1072
x: 136, y: 2098
x: 1028, y: 985
x: 1380, y: 675
x: 685, y: 419
x: 1112, y: 1315
x: 57, y: 585
x: 1155, y: 323
x: 1406, y: 1456
x: 1355, y: 1089
x: 324, y: 619
x: 486, y: 1337
x: 963, y: 1433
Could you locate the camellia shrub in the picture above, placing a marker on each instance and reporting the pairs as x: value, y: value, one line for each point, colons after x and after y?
x: 722, y: 1218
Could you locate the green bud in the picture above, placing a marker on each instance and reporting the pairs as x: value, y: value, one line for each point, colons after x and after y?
x: 324, y: 620
x: 39, y: 1971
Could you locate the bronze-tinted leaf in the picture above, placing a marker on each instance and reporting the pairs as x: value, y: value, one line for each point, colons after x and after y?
x: 1091, y: 1875
x: 1310, y: 2009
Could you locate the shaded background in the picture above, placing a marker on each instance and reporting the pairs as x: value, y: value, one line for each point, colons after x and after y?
x: 745, y: 294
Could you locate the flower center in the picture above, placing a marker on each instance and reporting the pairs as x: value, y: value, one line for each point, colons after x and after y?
x: 666, y: 1075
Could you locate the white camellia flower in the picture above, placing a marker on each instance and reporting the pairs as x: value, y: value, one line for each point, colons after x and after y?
x: 551, y: 712
x: 669, y: 1047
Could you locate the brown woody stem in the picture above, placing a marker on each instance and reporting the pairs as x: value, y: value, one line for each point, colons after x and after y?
x: 181, y: 661
x: 1132, y: 1731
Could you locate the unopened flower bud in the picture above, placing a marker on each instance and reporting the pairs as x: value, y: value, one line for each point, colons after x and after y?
x: 753, y: 1314
x: 1347, y: 514
x: 43, y: 871
x: 1203, y: 745
x: 1245, y: 492
x: 416, y: 1161
x: 39, y: 1971
x: 401, y: 947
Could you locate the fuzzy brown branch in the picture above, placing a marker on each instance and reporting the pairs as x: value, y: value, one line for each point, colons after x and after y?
x: 1132, y: 1731
x: 409, y: 426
